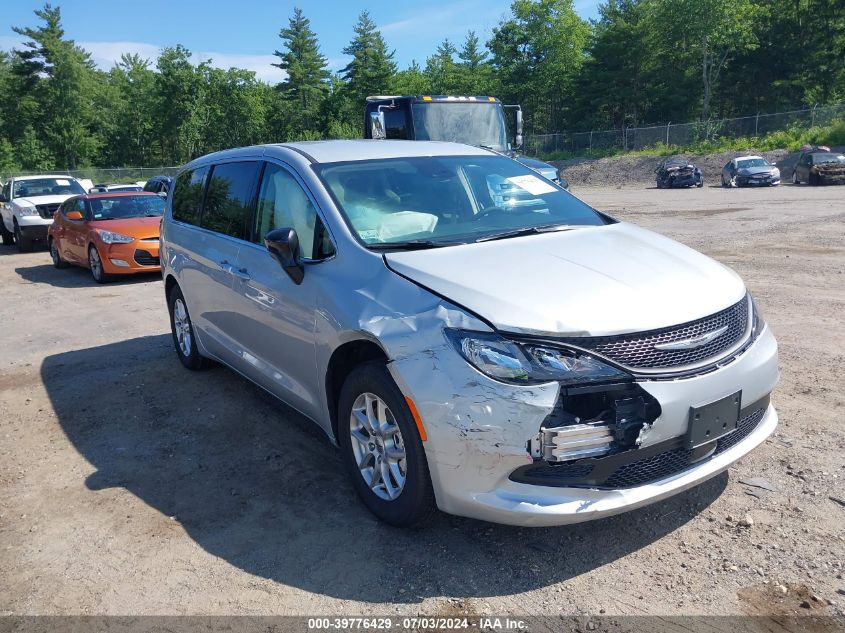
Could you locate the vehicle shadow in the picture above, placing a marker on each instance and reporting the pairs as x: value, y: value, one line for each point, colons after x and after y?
x: 76, y: 277
x: 266, y: 492
x: 13, y: 250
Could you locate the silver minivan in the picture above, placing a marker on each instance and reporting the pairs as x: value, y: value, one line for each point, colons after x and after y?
x: 473, y: 337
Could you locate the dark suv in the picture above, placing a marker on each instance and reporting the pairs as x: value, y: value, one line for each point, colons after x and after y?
x: 159, y: 184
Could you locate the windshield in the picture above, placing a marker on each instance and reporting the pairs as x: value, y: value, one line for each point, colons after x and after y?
x: 752, y: 162
x: 448, y: 200
x: 827, y: 157
x: 46, y: 187
x: 471, y: 123
x: 123, y: 207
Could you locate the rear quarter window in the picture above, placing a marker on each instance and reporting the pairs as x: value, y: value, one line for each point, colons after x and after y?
x: 187, y: 196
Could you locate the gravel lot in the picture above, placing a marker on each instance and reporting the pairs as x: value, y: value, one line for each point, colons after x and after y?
x: 131, y: 486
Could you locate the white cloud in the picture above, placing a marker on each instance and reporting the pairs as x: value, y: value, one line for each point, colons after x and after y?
x: 106, y: 54
x: 455, y: 19
x: 8, y: 42
x: 260, y: 64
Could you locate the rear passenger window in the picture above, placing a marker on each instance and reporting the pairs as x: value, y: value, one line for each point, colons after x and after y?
x: 228, y: 202
x: 188, y: 195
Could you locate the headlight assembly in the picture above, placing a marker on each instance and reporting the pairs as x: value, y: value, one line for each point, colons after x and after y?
x: 524, y: 363
x: 109, y: 237
x: 25, y: 211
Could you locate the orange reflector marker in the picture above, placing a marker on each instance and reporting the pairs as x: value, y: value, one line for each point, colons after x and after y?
x: 417, y: 419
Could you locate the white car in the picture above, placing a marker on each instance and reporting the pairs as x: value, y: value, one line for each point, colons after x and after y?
x: 27, y: 205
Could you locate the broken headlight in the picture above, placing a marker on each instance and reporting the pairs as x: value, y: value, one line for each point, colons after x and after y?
x: 523, y: 363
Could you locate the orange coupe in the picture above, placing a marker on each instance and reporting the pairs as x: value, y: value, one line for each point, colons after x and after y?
x: 109, y: 233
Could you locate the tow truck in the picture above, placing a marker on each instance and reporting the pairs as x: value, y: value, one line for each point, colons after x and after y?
x: 478, y: 120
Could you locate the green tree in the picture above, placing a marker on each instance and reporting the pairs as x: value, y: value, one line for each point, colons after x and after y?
x: 474, y: 72
x: 178, y: 104
x: 537, y: 53
x: 63, y: 74
x: 707, y: 32
x: 613, y: 87
x: 442, y: 71
x: 411, y: 81
x: 306, y: 84
x: 372, y: 66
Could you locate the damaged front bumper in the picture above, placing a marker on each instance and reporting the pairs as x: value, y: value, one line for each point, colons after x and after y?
x: 484, y: 438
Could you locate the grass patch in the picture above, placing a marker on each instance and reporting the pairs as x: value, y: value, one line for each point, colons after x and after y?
x: 790, y: 139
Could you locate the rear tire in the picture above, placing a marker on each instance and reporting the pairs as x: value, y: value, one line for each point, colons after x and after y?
x: 58, y: 262
x: 397, y: 501
x: 182, y: 330
x: 24, y: 243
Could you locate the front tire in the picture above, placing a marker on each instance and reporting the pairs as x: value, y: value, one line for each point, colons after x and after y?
x: 182, y: 330
x: 58, y: 262
x: 382, y: 449
x: 95, y: 264
x: 24, y: 243
x: 6, y: 234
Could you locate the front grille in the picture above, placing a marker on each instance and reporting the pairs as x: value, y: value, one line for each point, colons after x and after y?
x: 46, y: 211
x: 674, y: 461
x: 144, y: 258
x: 637, y: 351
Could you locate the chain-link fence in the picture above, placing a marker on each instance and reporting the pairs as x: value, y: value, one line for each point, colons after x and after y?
x: 681, y: 134
x: 107, y: 175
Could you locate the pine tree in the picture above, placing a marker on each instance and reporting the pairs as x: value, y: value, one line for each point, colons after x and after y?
x: 64, y: 73
x: 372, y: 66
x: 441, y: 69
x: 306, y: 84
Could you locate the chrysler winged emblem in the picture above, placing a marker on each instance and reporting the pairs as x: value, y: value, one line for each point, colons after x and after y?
x: 692, y: 343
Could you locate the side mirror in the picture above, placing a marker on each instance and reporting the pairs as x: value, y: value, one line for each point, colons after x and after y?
x: 518, y: 141
x: 283, y: 245
x: 163, y: 194
x: 73, y: 215
x: 377, y: 125
x: 97, y: 190
x: 3, y: 198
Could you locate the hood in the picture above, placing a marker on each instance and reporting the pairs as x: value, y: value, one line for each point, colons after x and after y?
x: 590, y: 281
x: 546, y: 170
x: 140, y: 228
x: 37, y: 200
x: 830, y: 168
x: 761, y: 169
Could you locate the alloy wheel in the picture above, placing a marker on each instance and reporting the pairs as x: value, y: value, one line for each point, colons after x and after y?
x: 182, y: 326
x: 95, y: 264
x: 378, y: 446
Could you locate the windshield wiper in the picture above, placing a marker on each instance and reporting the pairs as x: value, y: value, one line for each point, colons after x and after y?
x: 410, y: 245
x: 528, y: 230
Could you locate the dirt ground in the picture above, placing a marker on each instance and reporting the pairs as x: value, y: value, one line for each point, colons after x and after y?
x: 131, y: 486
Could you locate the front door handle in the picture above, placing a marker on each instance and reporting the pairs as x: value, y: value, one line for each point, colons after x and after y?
x: 240, y: 273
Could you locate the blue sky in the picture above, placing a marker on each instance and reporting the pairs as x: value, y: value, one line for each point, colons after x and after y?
x: 244, y: 33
